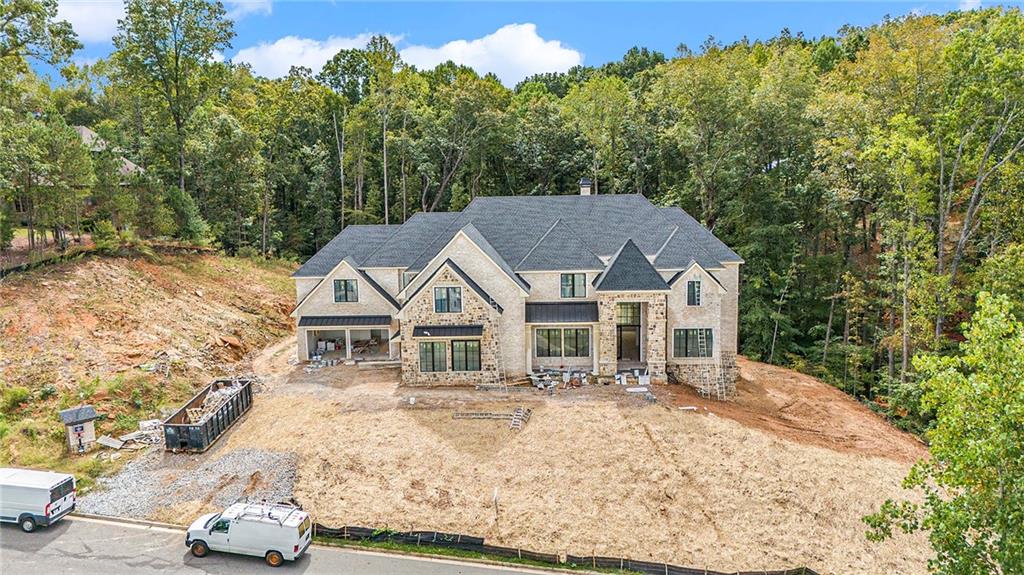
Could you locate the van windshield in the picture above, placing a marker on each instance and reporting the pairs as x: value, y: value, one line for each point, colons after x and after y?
x: 62, y: 490
x: 211, y: 521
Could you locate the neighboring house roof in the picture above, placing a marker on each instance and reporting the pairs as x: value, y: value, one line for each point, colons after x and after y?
x: 95, y: 143
x: 355, y: 241
x: 630, y: 270
x: 343, y: 320
x: 462, y: 275
x: 560, y: 249
x: 561, y: 312
x: 78, y: 414
x: 448, y: 331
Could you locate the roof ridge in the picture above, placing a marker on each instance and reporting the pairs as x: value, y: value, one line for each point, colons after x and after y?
x: 551, y: 227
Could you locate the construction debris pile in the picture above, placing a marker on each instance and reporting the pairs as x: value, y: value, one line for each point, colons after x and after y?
x: 150, y: 432
x: 220, y: 391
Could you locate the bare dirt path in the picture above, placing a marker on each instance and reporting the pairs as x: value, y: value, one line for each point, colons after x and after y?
x: 800, y: 408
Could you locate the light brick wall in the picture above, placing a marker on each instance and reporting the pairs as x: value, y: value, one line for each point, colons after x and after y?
x: 718, y: 310
x: 420, y: 311
x: 547, y: 286
x: 388, y: 278
x: 303, y: 286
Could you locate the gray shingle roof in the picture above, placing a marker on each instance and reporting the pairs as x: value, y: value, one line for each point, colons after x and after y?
x: 448, y: 331
x: 560, y: 249
x: 562, y: 312
x: 356, y: 242
x: 532, y: 233
x: 78, y: 414
x: 401, y: 248
x: 343, y: 320
x: 629, y: 270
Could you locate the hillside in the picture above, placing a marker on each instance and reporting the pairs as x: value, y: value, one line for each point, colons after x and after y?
x: 780, y: 478
x: 132, y: 336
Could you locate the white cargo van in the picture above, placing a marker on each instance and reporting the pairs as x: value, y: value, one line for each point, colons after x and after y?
x: 278, y: 533
x: 35, y: 498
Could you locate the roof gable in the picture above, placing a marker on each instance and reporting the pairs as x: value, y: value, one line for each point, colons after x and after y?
x: 560, y: 249
x: 350, y: 262
x: 448, y: 263
x: 630, y: 270
x: 672, y: 281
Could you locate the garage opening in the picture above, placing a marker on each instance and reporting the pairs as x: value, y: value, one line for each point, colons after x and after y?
x: 328, y: 344
x: 369, y: 344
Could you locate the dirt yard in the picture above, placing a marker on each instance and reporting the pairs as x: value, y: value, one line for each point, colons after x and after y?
x: 780, y: 478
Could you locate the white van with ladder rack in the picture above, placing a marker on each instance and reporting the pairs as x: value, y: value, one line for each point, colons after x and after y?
x: 278, y: 533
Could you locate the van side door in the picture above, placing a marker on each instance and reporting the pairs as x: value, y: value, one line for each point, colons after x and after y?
x: 219, y: 536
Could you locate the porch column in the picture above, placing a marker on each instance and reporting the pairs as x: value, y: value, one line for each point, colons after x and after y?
x: 594, y: 344
x: 348, y: 344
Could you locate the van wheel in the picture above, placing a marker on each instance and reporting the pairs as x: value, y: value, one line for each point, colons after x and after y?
x: 274, y: 559
x: 28, y: 524
x: 199, y: 549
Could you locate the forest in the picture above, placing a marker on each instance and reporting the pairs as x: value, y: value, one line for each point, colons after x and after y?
x: 873, y: 180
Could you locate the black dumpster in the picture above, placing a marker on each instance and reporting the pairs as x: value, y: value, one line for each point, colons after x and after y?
x: 208, y: 415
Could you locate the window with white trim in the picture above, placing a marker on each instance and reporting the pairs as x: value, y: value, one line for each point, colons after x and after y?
x: 693, y: 292
x: 346, y: 291
x: 574, y: 285
x: 432, y: 356
x: 447, y: 299
x: 686, y: 343
x: 466, y: 355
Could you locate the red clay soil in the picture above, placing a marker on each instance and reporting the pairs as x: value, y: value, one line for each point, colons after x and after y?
x: 800, y: 408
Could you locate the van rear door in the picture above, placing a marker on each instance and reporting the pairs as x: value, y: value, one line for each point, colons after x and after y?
x: 62, y: 500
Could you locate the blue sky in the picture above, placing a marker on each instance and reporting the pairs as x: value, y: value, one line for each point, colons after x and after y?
x: 510, y: 39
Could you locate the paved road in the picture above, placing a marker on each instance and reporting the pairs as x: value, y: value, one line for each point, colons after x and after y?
x: 89, y: 546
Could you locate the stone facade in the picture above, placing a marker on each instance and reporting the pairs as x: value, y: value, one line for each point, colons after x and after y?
x: 420, y: 311
x: 653, y: 307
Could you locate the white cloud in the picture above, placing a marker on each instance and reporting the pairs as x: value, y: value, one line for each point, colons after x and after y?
x: 970, y: 4
x: 512, y: 53
x: 95, y: 21
x: 273, y: 60
x: 238, y: 9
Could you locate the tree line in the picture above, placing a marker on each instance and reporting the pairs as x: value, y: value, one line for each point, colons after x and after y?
x: 872, y: 180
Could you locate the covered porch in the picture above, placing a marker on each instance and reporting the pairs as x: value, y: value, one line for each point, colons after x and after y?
x: 354, y: 337
x: 561, y: 336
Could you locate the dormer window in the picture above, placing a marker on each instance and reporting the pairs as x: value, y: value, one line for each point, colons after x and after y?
x: 693, y: 292
x: 346, y: 291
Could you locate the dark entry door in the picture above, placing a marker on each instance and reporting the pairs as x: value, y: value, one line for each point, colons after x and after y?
x: 628, y: 342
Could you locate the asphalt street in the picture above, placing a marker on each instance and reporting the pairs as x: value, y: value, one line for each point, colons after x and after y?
x: 90, y: 546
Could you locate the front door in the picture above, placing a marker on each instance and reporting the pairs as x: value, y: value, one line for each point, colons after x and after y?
x: 628, y: 343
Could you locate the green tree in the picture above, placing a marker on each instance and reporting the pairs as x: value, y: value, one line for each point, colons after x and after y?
x: 973, y: 482
x: 168, y: 48
x: 597, y: 108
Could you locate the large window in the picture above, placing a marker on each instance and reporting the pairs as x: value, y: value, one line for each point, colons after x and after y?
x: 432, y: 356
x: 549, y: 343
x: 627, y: 313
x: 574, y: 285
x: 346, y: 290
x: 686, y: 343
x: 466, y: 355
x: 693, y: 292
x: 577, y: 342
x: 574, y: 342
x: 447, y: 299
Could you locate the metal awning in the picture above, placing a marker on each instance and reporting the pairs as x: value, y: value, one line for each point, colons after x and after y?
x: 562, y: 312
x: 448, y: 331
x: 344, y: 320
